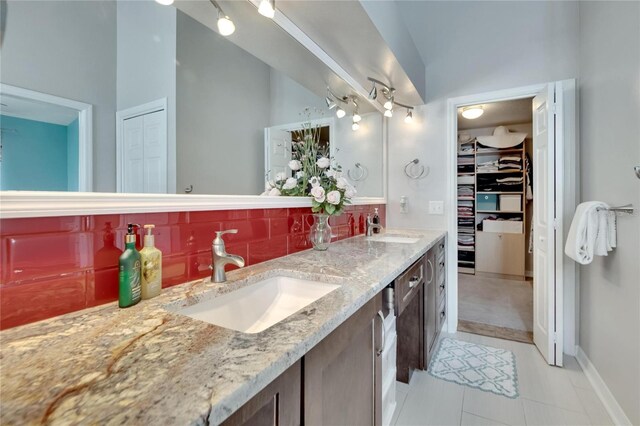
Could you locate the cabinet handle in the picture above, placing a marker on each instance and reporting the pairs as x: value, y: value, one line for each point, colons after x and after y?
x: 384, y: 336
x: 441, y: 314
x: 442, y: 286
x: 430, y: 270
x: 414, y: 281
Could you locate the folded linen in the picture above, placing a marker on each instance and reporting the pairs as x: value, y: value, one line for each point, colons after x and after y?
x: 592, y: 232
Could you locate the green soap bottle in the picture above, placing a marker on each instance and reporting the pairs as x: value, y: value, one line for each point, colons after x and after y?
x: 130, y: 261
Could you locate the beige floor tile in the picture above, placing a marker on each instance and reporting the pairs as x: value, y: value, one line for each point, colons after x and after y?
x: 401, y: 396
x: 574, y: 372
x: 469, y: 419
x: 494, y: 407
x: 539, y: 414
x: 594, y: 407
x: 431, y: 401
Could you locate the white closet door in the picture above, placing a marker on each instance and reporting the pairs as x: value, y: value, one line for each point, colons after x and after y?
x: 155, y: 153
x: 544, y: 283
x: 133, y: 155
x: 278, y: 152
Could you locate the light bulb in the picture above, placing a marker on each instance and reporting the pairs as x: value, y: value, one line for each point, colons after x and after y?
x: 389, y: 104
x: 266, y: 9
x: 165, y: 2
x: 356, y: 117
x: 225, y: 25
x: 388, y: 113
x: 472, y: 113
x: 355, y: 126
x: 373, y: 94
x: 409, y: 118
x: 340, y: 112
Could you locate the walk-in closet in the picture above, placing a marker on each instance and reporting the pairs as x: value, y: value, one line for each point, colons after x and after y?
x: 495, y: 207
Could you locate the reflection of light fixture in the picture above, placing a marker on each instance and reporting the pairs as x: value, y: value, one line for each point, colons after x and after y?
x: 356, y: 117
x: 330, y: 102
x: 409, y: 118
x: 225, y: 24
x: 165, y: 2
x: 355, y: 126
x: 340, y: 112
x: 388, y: 113
x: 472, y: 112
x: 267, y: 8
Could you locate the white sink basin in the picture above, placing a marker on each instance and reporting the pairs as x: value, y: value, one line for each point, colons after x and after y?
x: 394, y: 239
x: 255, y: 308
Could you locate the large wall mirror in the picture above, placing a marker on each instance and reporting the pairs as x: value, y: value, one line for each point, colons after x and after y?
x: 137, y: 97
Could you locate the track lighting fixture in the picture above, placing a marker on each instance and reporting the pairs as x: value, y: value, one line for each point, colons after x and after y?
x: 226, y: 26
x: 340, y: 113
x: 373, y: 94
x: 165, y: 2
x: 409, y: 117
x: 267, y: 8
x: 388, y: 113
x: 355, y: 126
x: 356, y: 117
x: 389, y: 103
x: 330, y: 102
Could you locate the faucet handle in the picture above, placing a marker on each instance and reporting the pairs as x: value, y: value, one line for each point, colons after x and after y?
x: 228, y: 231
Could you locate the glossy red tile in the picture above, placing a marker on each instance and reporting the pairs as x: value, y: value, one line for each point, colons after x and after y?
x: 102, y: 286
x: 298, y: 243
x: 261, y: 251
x: 41, y: 225
x: 41, y: 299
x: 217, y: 216
x: 260, y: 213
x: 278, y: 226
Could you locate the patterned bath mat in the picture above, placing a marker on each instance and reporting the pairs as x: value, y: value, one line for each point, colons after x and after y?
x: 477, y: 366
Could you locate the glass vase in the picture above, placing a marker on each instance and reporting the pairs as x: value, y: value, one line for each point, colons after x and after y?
x: 320, y: 234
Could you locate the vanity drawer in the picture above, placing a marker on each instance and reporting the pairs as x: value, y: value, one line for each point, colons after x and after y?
x: 441, y: 279
x: 441, y: 315
x: 408, y: 284
x: 440, y: 248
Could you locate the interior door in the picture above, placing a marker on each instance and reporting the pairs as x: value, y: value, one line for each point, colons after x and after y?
x: 133, y: 155
x: 544, y: 282
x: 278, y: 143
x: 155, y: 153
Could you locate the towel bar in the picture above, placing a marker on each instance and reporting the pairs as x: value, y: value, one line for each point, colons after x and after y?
x: 626, y: 209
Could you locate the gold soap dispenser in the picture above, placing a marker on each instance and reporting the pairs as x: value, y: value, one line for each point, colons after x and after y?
x: 151, y: 265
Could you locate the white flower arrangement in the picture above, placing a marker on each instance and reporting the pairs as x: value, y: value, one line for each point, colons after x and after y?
x: 330, y: 191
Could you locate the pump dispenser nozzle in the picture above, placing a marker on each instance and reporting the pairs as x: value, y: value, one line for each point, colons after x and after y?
x: 149, y: 237
x: 131, y: 236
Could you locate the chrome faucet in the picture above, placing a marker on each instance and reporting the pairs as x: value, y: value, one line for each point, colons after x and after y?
x: 371, y: 226
x: 221, y: 258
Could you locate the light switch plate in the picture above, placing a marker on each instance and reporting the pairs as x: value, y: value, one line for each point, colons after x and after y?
x: 436, y: 207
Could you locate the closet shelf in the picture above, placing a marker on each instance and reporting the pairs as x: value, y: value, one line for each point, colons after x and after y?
x: 499, y: 172
x: 466, y: 173
x: 501, y: 192
x: 500, y: 211
x: 499, y: 151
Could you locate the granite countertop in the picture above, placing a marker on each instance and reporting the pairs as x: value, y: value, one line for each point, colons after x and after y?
x: 146, y: 364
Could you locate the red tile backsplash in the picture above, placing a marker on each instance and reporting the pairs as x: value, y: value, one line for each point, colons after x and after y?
x: 56, y: 265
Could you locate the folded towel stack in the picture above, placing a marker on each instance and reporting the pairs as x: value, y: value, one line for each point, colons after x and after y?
x: 592, y: 232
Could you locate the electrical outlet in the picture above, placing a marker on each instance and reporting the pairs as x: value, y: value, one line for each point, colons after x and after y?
x: 436, y: 207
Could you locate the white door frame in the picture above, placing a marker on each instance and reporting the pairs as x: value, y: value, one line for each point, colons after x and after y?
x: 85, y: 128
x: 121, y: 116
x: 566, y: 200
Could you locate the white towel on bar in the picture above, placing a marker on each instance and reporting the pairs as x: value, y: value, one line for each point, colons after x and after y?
x: 592, y: 232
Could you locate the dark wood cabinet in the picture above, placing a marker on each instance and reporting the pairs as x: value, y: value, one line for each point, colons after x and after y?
x: 430, y: 306
x: 342, y: 373
x: 277, y: 404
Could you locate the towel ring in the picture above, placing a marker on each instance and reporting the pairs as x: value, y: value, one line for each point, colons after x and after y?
x: 363, y: 173
x: 408, y: 170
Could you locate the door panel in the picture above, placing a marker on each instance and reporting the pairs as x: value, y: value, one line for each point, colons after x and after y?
x: 155, y: 153
x: 543, y: 219
x: 133, y: 151
x: 278, y: 151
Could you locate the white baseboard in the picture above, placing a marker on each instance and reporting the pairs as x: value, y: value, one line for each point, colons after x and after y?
x: 602, y: 390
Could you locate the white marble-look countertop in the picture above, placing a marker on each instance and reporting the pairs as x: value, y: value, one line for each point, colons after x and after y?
x: 147, y: 365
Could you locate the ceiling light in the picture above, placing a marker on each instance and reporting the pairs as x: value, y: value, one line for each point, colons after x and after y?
x: 267, y: 8
x: 340, y: 112
x: 373, y: 94
x: 472, y: 112
x: 165, y: 2
x: 388, y: 113
x: 330, y: 103
x: 409, y: 118
x: 389, y: 104
x: 355, y: 126
x: 225, y: 25
x: 356, y: 117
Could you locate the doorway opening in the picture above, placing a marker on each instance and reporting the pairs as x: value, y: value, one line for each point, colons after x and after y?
x: 494, y: 219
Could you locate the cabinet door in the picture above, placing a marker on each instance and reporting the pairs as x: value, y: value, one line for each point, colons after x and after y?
x: 342, y: 372
x: 430, y: 305
x: 277, y: 404
x: 410, y: 329
x: 500, y: 253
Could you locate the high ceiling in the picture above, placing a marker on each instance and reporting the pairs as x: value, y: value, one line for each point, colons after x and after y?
x: 499, y: 113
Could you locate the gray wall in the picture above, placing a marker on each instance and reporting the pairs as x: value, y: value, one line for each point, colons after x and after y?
x: 610, y: 147
x: 67, y: 65
x: 146, y: 65
x: 223, y: 107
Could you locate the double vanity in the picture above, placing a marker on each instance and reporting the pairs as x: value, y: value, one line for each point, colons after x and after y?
x: 300, y: 338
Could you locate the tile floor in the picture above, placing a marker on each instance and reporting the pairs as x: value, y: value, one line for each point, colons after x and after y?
x: 496, y: 301
x: 548, y: 395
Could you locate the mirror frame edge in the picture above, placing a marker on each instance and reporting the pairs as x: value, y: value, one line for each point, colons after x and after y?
x: 31, y: 204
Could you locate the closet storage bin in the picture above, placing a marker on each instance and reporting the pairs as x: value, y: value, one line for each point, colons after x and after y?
x: 506, y: 226
x: 487, y: 202
x: 500, y: 253
x: 510, y: 203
